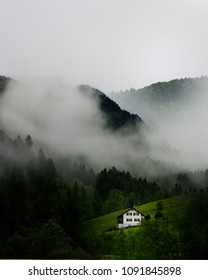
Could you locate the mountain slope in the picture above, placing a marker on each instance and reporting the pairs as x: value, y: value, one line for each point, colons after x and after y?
x: 171, y: 205
x: 177, y: 89
x: 115, y: 117
x: 162, y: 100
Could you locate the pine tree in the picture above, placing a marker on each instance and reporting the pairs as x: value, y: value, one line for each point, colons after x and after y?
x: 28, y: 142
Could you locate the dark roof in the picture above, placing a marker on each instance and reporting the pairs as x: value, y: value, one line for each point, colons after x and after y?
x: 128, y: 211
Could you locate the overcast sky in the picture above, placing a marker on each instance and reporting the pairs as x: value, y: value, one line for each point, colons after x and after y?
x: 108, y: 44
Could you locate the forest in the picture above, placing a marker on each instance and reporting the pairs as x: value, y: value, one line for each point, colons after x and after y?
x: 44, y: 214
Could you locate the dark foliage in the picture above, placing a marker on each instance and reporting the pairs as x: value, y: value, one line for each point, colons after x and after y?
x: 193, y: 227
x: 39, y: 216
x: 137, y: 191
x: 3, y: 83
x: 116, y: 118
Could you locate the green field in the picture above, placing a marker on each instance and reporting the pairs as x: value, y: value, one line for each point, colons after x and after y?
x: 172, y: 206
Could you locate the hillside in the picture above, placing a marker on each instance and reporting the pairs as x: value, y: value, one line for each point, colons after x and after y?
x: 155, y: 239
x: 92, y: 121
x: 171, y: 205
x: 163, y: 99
x: 174, y: 90
x: 116, y: 118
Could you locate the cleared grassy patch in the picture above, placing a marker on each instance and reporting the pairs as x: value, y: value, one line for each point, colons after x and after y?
x: 172, y: 207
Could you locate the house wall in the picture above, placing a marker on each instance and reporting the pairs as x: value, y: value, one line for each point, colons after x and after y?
x: 131, y: 218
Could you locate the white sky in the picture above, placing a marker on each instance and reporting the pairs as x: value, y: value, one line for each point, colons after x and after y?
x: 108, y: 44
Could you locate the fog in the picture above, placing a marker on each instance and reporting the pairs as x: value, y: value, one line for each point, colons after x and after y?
x: 67, y: 122
x: 110, y: 45
x: 188, y: 133
x: 183, y: 126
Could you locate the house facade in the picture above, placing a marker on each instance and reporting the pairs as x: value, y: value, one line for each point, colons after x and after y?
x: 130, y: 218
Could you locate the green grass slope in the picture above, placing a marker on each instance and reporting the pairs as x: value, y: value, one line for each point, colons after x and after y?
x: 158, y: 239
x: 172, y: 207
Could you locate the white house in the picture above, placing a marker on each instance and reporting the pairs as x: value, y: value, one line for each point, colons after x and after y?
x: 130, y: 218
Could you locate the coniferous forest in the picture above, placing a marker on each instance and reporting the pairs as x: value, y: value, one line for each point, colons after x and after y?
x: 45, y: 216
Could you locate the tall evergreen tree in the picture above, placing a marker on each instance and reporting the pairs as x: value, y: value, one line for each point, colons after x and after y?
x: 28, y: 142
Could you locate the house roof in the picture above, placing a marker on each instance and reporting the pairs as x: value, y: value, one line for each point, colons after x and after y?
x: 128, y: 211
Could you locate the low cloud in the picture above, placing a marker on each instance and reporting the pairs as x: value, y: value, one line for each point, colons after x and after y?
x: 69, y: 123
x: 181, y: 126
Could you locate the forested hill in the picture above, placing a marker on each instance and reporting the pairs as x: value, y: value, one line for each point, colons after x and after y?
x: 115, y: 117
x: 162, y: 99
x: 175, y: 89
x: 169, y: 90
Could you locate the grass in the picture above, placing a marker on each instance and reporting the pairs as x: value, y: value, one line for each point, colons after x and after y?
x: 172, y: 207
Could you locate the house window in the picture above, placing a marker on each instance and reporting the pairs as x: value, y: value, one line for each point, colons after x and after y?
x: 128, y: 214
x: 137, y: 220
x: 129, y: 220
x: 136, y: 214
